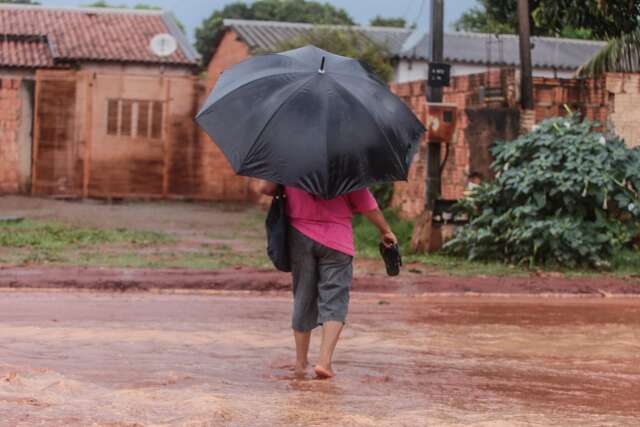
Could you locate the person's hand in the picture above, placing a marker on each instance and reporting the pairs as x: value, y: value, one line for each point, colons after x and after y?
x: 268, y: 188
x: 389, y: 239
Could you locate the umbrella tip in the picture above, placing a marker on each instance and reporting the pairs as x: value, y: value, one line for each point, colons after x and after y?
x: 321, y: 70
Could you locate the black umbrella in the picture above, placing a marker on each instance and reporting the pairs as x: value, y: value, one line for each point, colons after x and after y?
x: 310, y: 119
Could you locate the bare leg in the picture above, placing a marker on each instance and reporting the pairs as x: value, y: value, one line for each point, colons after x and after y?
x: 330, y: 334
x: 302, y: 349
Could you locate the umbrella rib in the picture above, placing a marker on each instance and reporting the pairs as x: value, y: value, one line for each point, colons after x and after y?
x: 249, y: 83
x: 275, y: 113
x: 397, y: 160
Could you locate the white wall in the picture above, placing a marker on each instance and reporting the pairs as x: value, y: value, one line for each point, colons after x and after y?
x: 408, y: 71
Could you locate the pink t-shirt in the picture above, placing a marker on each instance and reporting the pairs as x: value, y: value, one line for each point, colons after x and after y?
x: 328, y: 222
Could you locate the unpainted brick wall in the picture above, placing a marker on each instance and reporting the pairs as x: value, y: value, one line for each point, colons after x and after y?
x: 493, y: 89
x: 588, y: 96
x: 487, y: 109
x: 221, y: 182
x: 9, y: 125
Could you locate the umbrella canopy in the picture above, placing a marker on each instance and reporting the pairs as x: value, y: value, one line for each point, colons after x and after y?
x: 311, y: 119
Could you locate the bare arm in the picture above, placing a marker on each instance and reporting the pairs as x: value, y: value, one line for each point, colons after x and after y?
x: 268, y: 188
x: 376, y: 218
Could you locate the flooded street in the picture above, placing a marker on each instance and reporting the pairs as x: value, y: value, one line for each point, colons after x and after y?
x: 223, y: 358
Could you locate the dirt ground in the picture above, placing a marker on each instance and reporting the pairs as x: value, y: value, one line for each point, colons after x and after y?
x: 113, y: 279
x: 100, y: 345
x: 223, y: 359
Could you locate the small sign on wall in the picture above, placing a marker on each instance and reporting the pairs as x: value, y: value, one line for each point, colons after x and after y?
x: 439, y: 74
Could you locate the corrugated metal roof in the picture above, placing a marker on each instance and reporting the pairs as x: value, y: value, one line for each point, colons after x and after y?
x: 97, y: 34
x: 460, y: 47
x: 477, y: 48
x: 269, y: 34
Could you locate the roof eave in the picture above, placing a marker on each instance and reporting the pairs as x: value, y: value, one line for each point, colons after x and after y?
x: 494, y: 64
x: 80, y: 61
x: 170, y: 21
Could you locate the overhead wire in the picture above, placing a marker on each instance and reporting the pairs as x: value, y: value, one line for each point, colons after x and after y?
x: 419, y: 15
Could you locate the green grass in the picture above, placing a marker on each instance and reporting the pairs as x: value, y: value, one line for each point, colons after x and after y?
x: 623, y: 263
x: 189, y: 260
x: 367, y: 236
x: 51, y: 235
x: 627, y: 262
x: 34, y: 242
x: 132, y: 258
x: 456, y: 266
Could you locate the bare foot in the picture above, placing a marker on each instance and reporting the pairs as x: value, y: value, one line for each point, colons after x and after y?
x: 301, y: 368
x: 323, y: 373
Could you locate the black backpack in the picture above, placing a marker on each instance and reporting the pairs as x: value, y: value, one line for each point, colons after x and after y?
x: 277, y: 226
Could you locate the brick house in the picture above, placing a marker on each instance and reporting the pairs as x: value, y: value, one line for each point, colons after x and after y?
x: 87, y: 109
x: 468, y: 53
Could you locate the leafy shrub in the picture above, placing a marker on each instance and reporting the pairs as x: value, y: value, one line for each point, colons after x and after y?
x: 372, y: 55
x: 564, y: 194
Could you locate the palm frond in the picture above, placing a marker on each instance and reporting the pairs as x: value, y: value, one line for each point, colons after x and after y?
x: 621, y: 54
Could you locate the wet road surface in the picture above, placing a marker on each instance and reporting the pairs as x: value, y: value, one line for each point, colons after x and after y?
x: 216, y: 358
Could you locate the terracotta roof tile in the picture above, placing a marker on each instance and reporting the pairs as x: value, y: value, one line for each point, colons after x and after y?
x: 91, y: 34
x: 25, y: 51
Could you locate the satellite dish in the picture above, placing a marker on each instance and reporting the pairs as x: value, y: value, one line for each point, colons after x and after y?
x: 163, y: 44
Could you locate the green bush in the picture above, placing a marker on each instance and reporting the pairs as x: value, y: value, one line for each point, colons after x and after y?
x: 564, y: 194
x: 373, y: 56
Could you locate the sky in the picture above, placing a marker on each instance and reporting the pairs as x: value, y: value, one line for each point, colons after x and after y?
x: 193, y: 12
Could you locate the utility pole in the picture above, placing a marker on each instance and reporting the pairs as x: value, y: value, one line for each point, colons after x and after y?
x: 422, y: 233
x: 526, y: 77
x: 434, y: 94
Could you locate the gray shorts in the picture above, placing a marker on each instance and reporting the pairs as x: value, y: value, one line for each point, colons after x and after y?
x: 321, y: 282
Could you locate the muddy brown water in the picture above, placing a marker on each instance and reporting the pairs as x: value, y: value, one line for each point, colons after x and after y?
x: 79, y: 358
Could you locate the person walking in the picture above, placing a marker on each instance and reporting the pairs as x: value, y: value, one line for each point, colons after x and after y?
x: 324, y: 125
x: 321, y: 251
